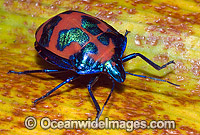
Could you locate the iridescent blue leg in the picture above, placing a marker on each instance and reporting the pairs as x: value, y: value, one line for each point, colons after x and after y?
x: 107, y: 98
x: 152, y: 78
x: 91, y: 83
x: 157, y: 67
x: 37, y: 71
x: 61, y: 84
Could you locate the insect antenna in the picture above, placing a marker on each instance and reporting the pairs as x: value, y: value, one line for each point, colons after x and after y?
x: 152, y: 78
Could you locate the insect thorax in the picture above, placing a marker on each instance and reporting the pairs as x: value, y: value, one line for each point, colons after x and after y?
x: 84, y: 64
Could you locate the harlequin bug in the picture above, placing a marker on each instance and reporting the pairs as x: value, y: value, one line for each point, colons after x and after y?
x: 85, y: 44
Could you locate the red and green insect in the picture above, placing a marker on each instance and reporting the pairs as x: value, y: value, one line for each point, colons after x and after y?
x: 85, y: 44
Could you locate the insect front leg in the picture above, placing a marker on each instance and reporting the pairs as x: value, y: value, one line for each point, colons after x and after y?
x: 91, y: 83
x: 134, y: 55
x: 157, y: 67
x: 113, y: 85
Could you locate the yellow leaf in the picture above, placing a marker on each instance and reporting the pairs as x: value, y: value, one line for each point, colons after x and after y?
x: 162, y: 30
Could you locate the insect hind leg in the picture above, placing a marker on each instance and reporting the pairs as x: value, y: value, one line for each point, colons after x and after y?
x: 37, y: 71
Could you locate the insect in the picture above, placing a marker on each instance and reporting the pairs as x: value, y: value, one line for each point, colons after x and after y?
x: 85, y: 44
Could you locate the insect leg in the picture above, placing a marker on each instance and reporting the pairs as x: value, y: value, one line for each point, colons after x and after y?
x: 91, y: 83
x: 152, y: 78
x: 157, y: 67
x: 58, y: 86
x: 37, y: 71
x: 113, y: 85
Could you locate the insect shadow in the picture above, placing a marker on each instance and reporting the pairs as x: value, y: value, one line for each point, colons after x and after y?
x: 80, y: 82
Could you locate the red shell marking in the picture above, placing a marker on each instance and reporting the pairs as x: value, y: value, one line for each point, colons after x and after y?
x: 74, y: 20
